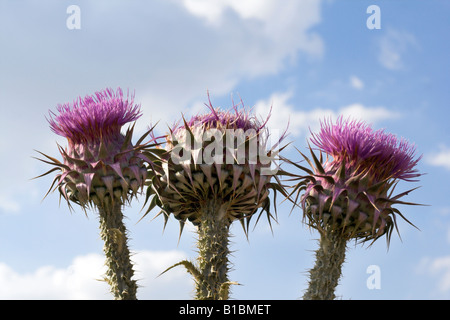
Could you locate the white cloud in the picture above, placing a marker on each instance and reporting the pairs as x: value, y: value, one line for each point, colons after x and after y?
x: 268, y: 11
x: 440, y: 158
x: 438, y: 267
x: 393, y: 46
x: 240, y: 39
x: 174, y: 284
x: 175, y: 59
x: 369, y: 114
x: 300, y: 122
x: 276, y: 28
x: 442, y: 266
x: 8, y: 205
x: 356, y: 83
x: 80, y: 280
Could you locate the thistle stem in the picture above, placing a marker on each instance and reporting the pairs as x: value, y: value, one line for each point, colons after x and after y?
x: 213, y: 233
x: 324, y: 277
x: 120, y: 269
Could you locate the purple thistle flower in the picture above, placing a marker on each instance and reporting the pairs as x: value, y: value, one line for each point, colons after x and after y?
x: 102, y: 169
x: 99, y: 115
x: 351, y: 196
x: 362, y: 148
x: 99, y: 158
x: 352, y: 193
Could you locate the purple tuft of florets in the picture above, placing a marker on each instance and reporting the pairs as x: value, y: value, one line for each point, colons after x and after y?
x: 231, y: 119
x: 355, y: 142
x: 100, y: 115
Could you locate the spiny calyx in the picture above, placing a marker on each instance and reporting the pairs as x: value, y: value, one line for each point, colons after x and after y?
x: 100, y: 173
x: 351, y: 204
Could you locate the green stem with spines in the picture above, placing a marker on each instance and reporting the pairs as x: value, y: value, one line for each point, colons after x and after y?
x: 213, y: 234
x: 325, y: 275
x: 120, y: 268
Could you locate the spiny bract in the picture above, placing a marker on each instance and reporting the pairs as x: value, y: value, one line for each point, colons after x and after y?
x: 352, y: 193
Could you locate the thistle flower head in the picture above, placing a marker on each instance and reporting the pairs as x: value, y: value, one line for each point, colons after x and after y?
x: 100, y: 165
x: 94, y: 117
x: 351, y: 194
x: 216, y: 155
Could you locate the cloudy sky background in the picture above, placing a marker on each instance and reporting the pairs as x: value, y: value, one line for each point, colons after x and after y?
x: 307, y: 59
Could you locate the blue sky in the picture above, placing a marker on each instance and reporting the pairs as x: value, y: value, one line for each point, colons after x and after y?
x: 306, y: 59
